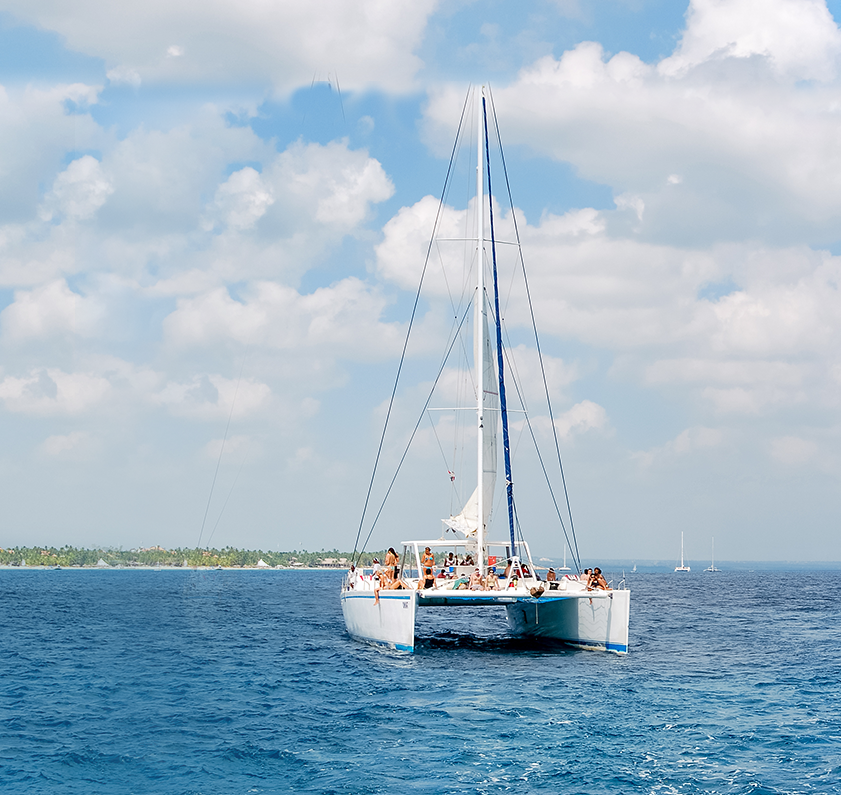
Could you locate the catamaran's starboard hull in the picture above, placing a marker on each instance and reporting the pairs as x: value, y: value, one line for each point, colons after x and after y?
x: 387, y: 622
x: 598, y: 621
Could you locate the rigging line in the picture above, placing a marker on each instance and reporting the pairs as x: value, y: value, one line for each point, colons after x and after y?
x: 222, y: 448
x: 534, y: 327
x: 414, y: 431
x: 408, y: 334
x: 341, y: 103
x: 225, y: 504
x: 574, y: 552
x: 444, y: 456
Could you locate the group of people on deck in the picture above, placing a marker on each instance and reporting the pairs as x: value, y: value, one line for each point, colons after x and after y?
x: 388, y: 574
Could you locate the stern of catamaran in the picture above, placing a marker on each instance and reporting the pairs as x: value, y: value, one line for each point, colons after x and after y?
x: 381, y: 609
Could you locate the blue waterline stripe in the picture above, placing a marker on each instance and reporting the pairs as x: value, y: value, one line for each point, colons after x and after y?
x: 398, y: 646
x: 371, y: 596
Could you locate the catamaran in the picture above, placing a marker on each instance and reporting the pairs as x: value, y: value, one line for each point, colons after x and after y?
x: 712, y: 567
x: 466, y: 566
x: 682, y: 566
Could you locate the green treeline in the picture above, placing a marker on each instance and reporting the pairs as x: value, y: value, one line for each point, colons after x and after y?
x: 156, y: 556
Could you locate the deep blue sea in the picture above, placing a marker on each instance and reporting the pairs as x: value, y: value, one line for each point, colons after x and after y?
x: 229, y: 682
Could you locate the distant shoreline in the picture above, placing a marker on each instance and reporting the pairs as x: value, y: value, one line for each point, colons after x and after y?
x: 6, y: 567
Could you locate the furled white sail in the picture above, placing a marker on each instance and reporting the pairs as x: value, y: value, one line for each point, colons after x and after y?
x: 466, y: 522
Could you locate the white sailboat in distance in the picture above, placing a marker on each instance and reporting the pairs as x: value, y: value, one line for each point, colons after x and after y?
x: 467, y: 566
x: 681, y: 567
x: 712, y: 567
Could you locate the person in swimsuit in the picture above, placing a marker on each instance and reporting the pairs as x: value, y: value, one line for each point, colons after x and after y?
x: 476, y: 583
x: 492, y: 581
x: 428, y: 578
x: 599, y: 581
x: 392, y: 562
x: 427, y: 559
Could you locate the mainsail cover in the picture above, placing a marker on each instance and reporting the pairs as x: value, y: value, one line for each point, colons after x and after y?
x: 466, y: 522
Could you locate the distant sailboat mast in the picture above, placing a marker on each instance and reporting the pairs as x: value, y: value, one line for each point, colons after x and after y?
x: 682, y: 567
x: 712, y: 558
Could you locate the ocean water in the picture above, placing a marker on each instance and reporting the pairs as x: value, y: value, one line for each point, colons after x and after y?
x: 228, y: 682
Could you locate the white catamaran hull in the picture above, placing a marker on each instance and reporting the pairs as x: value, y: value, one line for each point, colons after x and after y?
x: 597, y: 620
x: 388, y: 622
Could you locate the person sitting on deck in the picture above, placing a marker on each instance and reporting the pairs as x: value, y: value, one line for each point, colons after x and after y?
x: 428, y: 578
x: 598, y: 581
x: 586, y: 577
x: 442, y: 575
x: 477, y: 582
x: 492, y: 581
x: 552, y: 580
x: 468, y: 561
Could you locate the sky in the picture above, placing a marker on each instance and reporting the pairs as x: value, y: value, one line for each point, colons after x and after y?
x: 212, y: 218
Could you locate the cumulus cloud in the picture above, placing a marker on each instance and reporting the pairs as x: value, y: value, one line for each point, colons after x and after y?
x: 342, y: 318
x: 75, y: 445
x: 241, y: 200
x: 332, y: 183
x: 798, y: 37
x: 213, y: 397
x: 78, y: 191
x: 583, y: 416
x: 372, y: 42
x: 36, y: 124
x: 686, y: 443
x: 50, y: 310
x: 53, y: 392
x: 754, y: 145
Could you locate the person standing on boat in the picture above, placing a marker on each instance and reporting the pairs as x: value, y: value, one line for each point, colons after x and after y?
x: 392, y: 563
x: 428, y: 560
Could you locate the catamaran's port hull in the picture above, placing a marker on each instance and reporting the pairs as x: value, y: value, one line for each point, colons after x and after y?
x: 389, y: 621
x: 591, y: 620
x: 597, y: 620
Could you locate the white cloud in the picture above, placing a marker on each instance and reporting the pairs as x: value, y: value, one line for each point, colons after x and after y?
x: 214, y: 397
x: 53, y: 392
x: 755, y: 146
x: 799, y: 37
x: 333, y: 183
x: 36, y: 129
x: 340, y: 319
x: 50, y: 310
x: 371, y: 42
x: 241, y: 200
x: 78, y: 191
x: 124, y: 75
x: 582, y: 417
x: 686, y: 443
x: 74, y: 445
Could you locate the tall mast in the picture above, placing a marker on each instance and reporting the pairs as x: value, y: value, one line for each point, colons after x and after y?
x: 479, y: 333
